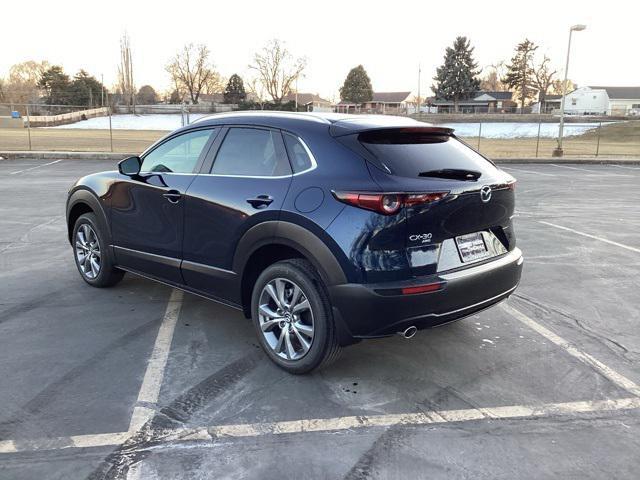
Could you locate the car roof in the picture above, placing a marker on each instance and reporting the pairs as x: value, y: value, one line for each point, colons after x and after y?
x: 339, y: 123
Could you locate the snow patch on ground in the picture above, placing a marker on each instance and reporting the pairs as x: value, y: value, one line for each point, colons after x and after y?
x: 489, y: 130
x: 519, y: 130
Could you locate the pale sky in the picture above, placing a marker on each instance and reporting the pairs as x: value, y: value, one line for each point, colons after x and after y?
x: 389, y: 38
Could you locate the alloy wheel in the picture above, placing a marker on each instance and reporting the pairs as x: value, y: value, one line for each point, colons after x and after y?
x: 286, y: 319
x: 88, y: 251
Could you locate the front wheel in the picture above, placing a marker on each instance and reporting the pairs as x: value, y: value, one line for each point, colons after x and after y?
x: 292, y: 317
x: 92, y: 255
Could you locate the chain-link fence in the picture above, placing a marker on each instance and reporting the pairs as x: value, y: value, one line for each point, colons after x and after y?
x: 128, y: 130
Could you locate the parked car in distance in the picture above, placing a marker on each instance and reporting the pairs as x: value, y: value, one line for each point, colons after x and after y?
x: 324, y: 229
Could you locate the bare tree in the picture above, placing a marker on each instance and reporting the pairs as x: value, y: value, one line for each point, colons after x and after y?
x: 215, y: 83
x: 542, y: 79
x: 125, y: 73
x: 557, y: 87
x: 277, y: 69
x: 256, y: 90
x: 22, y: 84
x: 491, y: 81
x: 191, y: 70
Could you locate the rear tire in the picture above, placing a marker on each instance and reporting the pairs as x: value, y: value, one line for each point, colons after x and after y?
x: 291, y: 313
x: 94, y: 259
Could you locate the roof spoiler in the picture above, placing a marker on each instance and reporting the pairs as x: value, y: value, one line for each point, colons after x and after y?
x: 339, y: 129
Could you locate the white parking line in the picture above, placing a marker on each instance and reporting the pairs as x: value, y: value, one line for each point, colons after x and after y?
x: 628, y: 168
x: 528, y: 171
x: 615, y: 377
x: 598, y: 172
x: 329, y: 424
x: 33, y: 168
x: 574, y: 168
x: 150, y: 388
x: 594, y: 237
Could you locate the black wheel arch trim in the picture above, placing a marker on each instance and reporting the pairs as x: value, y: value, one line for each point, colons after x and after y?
x: 88, y: 197
x: 294, y: 236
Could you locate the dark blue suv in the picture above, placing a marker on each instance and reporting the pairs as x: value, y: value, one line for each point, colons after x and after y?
x: 324, y: 229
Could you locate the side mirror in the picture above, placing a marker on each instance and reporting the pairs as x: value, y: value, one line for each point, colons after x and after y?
x: 130, y: 166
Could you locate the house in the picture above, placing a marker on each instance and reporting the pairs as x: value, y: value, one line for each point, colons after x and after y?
x: 480, y: 102
x: 599, y: 100
x: 382, y: 102
x: 550, y: 104
x: 622, y: 100
x: 309, y: 102
x: 208, y: 98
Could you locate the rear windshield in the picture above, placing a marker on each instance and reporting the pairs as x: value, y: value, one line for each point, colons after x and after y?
x: 414, y: 154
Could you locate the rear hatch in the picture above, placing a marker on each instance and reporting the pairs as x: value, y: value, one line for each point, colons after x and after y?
x: 468, y: 225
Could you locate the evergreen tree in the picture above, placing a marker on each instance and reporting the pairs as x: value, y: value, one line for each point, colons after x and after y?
x: 234, y: 91
x: 456, y: 78
x: 520, y: 71
x: 357, y: 86
x: 146, y: 95
x: 56, y: 84
x: 84, y: 90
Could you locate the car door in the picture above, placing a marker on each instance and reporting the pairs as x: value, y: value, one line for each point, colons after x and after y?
x: 147, y: 216
x: 244, y: 182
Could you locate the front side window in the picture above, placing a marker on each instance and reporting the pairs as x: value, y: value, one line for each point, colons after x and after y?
x: 298, y: 154
x: 250, y: 152
x: 178, y: 155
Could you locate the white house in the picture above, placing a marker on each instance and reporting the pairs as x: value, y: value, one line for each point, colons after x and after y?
x: 603, y: 101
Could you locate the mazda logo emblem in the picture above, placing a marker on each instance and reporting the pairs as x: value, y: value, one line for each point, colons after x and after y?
x: 485, y: 193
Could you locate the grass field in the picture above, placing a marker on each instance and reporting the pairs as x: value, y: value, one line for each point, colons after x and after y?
x: 621, y: 139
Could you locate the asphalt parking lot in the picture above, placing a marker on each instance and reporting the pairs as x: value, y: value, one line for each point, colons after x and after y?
x: 138, y: 381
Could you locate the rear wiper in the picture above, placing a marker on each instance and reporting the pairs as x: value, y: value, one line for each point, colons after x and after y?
x: 453, y: 174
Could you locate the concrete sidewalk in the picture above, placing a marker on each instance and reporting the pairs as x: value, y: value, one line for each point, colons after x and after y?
x: 44, y: 155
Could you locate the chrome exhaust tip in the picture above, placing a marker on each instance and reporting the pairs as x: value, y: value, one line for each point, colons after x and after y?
x: 409, y: 332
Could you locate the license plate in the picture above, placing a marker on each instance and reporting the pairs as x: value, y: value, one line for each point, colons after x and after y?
x: 472, y: 247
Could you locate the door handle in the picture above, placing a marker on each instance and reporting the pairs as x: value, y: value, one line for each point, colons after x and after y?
x: 261, y: 201
x: 173, y: 196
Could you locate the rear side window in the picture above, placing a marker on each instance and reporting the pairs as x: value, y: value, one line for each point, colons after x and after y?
x: 298, y: 153
x: 251, y: 152
x: 410, y: 154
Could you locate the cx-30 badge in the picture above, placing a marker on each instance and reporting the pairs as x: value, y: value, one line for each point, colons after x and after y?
x: 485, y: 193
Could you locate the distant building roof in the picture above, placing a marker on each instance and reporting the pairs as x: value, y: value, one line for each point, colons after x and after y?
x: 496, y: 95
x: 304, y: 98
x: 390, y: 97
x: 620, y: 92
x: 480, y: 97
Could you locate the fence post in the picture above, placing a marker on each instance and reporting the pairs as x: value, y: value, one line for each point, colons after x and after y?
x: 110, y: 131
x: 28, y: 126
x: 598, y: 144
x: 538, y: 141
x: 479, y: 135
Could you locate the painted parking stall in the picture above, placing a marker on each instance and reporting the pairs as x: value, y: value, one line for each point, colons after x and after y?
x: 140, y: 380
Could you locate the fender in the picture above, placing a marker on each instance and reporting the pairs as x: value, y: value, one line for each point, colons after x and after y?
x: 294, y: 236
x: 88, y: 197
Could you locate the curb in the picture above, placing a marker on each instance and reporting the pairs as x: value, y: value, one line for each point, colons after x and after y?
x: 22, y: 155
x: 15, y: 155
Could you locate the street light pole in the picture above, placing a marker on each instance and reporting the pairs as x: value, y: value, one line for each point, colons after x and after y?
x: 558, y: 152
x: 418, y: 109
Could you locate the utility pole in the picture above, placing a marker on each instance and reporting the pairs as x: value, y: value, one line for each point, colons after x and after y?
x: 558, y: 152
x: 418, y: 109
x: 102, y: 90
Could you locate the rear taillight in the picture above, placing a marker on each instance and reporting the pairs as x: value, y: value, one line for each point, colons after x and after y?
x: 387, y: 203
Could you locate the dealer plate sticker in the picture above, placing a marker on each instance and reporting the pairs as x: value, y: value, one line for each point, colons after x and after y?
x: 472, y: 247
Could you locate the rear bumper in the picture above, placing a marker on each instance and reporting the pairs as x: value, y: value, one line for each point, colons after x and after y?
x: 366, y: 313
